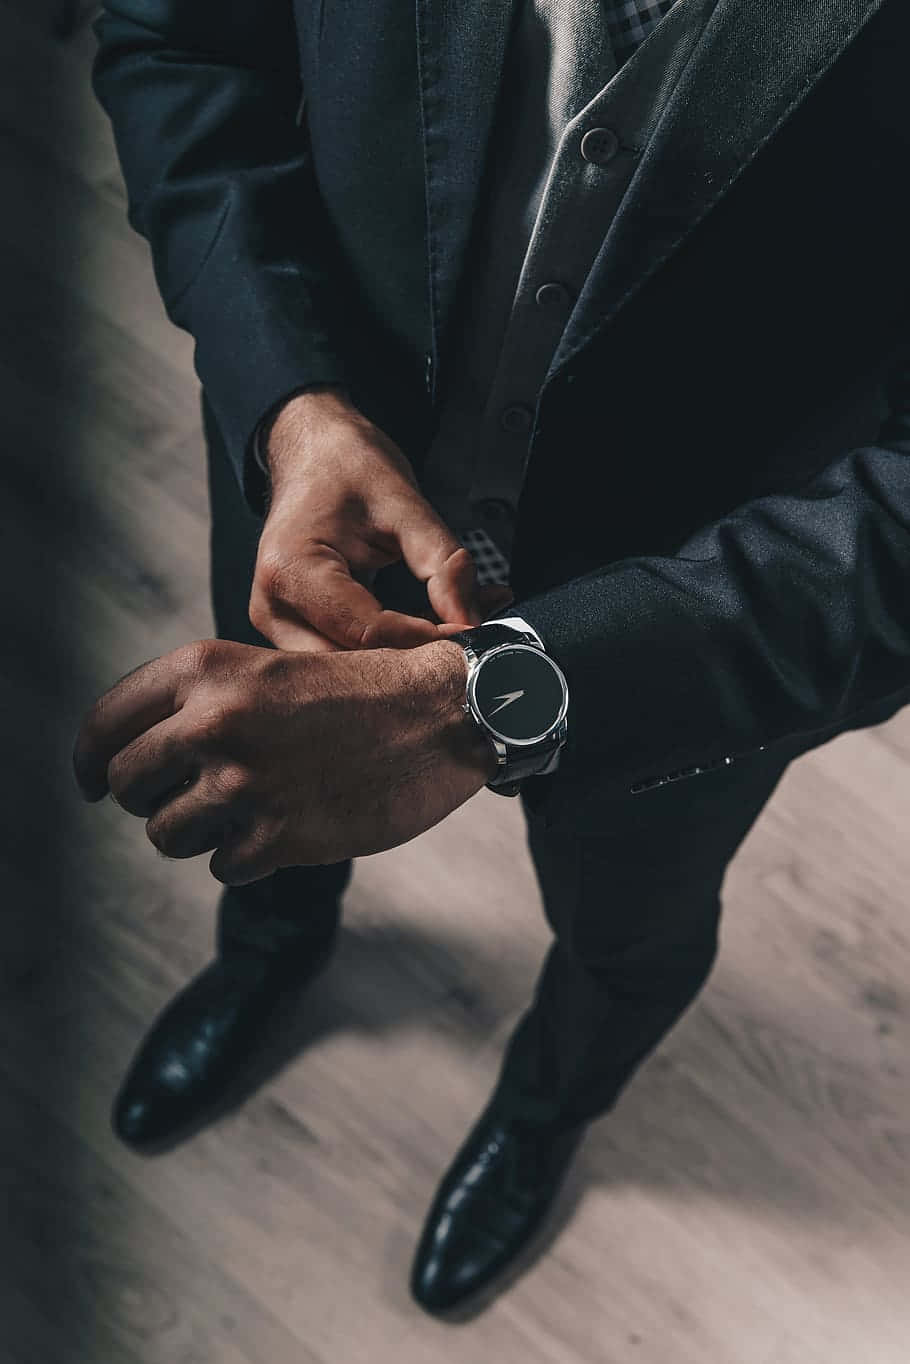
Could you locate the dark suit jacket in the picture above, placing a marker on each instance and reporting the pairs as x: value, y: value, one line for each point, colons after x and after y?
x: 714, y: 534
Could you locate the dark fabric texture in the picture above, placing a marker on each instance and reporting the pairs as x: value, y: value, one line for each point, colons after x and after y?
x: 635, y: 911
x: 205, y: 100
x: 727, y: 518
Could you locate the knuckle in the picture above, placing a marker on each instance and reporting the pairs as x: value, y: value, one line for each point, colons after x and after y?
x: 233, y: 783
x: 274, y: 573
x: 199, y: 657
x: 211, y: 723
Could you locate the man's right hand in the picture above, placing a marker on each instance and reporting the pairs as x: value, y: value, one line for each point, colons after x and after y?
x: 345, y: 503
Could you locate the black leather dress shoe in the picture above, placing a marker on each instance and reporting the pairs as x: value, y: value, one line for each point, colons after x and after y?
x: 489, y: 1204
x: 200, y: 1041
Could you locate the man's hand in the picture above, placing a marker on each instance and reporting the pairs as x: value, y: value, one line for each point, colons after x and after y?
x: 278, y: 759
x: 345, y: 503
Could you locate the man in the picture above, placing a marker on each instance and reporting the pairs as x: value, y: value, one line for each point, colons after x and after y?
x: 613, y: 295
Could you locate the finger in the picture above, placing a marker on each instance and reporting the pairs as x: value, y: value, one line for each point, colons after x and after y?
x: 155, y: 764
x: 319, y: 585
x: 290, y: 633
x: 453, y: 589
x: 285, y: 627
x: 144, y: 697
x: 491, y: 598
x: 195, y: 821
x: 243, y: 857
x: 494, y: 597
x: 435, y: 557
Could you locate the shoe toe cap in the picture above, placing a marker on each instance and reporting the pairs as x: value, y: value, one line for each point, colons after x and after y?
x: 134, y: 1120
x: 448, y: 1270
x: 152, y: 1104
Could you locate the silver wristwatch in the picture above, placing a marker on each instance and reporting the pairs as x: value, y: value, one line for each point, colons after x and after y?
x: 518, y: 695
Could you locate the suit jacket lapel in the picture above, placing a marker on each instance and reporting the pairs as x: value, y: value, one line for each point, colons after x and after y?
x: 460, y: 48
x: 752, y: 67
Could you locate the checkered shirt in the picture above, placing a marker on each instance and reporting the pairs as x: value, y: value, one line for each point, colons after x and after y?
x: 630, y: 21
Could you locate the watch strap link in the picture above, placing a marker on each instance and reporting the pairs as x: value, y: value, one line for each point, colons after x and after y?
x: 528, y: 765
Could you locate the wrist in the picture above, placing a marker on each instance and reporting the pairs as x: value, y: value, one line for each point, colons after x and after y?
x: 299, y: 421
x: 442, y: 680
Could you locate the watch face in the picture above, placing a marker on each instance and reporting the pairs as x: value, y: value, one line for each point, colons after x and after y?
x: 519, y: 693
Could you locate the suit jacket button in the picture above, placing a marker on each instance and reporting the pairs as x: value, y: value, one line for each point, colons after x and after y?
x: 552, y: 295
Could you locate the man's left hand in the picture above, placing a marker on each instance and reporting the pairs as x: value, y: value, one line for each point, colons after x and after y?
x: 275, y: 759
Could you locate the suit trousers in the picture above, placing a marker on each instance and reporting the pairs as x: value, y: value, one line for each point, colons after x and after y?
x: 634, y: 908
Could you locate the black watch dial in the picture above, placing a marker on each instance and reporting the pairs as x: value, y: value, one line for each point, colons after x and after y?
x: 519, y: 693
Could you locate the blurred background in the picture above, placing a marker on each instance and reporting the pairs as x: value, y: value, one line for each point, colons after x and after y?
x: 747, y: 1203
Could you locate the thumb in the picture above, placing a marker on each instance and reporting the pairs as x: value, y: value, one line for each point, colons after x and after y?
x: 494, y: 597
x: 436, y: 557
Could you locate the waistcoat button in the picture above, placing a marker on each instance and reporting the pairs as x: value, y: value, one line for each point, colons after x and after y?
x: 492, y: 509
x: 599, y: 145
x: 516, y: 419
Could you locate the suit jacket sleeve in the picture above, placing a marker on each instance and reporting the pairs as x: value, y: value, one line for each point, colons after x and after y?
x: 787, y: 617
x: 204, y: 97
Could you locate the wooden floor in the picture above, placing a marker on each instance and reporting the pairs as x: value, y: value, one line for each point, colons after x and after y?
x: 749, y: 1200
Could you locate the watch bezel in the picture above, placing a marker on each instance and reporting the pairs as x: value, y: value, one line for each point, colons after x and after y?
x: 475, y: 666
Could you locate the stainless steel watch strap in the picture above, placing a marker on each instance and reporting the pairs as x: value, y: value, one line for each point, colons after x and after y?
x: 520, y: 624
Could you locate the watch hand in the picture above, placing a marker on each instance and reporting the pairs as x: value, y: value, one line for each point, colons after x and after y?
x: 506, y: 697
